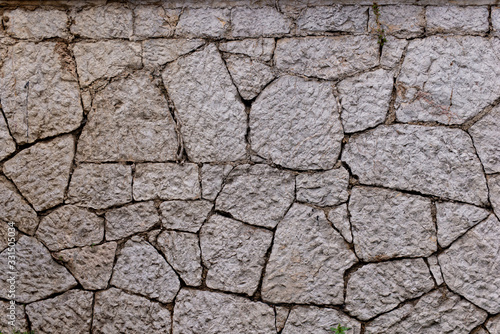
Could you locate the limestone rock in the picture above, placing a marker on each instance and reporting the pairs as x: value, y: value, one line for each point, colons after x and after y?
x: 281, y: 317
x: 213, y: 118
x: 403, y: 21
x: 212, y: 177
x: 160, y: 51
x: 7, y: 144
x: 435, y: 269
x: 110, y: 21
x: 495, y: 20
x: 257, y: 22
x: 41, y: 172
x: 13, y: 208
x: 392, y: 51
x: 185, y: 216
x: 203, y: 22
x: 493, y: 324
x: 388, y: 224
x: 154, y: 21
x: 35, y: 24
x: 131, y: 219
x: 486, y: 137
x: 333, y: 18
x: 323, y: 188
x: 311, y: 319
x: 257, y: 194
x: 431, y: 160
x: 338, y: 217
x: 307, y: 261
x: 20, y: 323
x: 261, y: 49
x: 494, y: 187
x: 457, y: 20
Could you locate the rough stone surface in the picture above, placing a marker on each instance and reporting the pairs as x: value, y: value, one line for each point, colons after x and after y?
x: 338, y: 216
x: 110, y: 21
x: 203, y: 22
x: 216, y: 313
x: 392, y: 51
x: 257, y: 22
x: 435, y: 269
x: 131, y: 219
x: 154, y: 21
x: 486, y: 138
x: 494, y: 187
x: 257, y: 194
x: 333, y: 18
x: 13, y: 208
x: 249, y: 76
x: 403, y: 21
x: 431, y: 160
x: 185, y: 216
x: 323, y: 188
x: 7, y: 144
x: 35, y: 24
x: 20, y: 324
x: 212, y: 177
x: 493, y: 324
x: 261, y: 49
x: 307, y: 261
x: 311, y: 319
x: 457, y: 20
x: 158, y: 52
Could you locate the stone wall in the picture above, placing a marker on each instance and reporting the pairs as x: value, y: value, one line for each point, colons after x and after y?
x: 250, y: 166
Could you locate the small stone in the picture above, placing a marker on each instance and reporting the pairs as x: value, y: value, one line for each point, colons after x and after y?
x: 154, y: 21
x: 70, y: 226
x: 7, y: 144
x: 203, y: 22
x: 20, y: 322
x: 110, y: 21
x: 100, y: 186
x: 182, y: 251
x: 208, y: 312
x: 338, y: 217
x: 257, y: 22
x: 494, y: 187
x: 495, y: 20
x: 140, y: 269
x: 91, y: 265
x: 257, y: 194
x: 486, y: 137
x: 493, y: 324
x: 35, y: 24
x: 131, y: 219
x: 281, y: 317
x: 249, y: 76
x: 387, y: 224
x: 70, y: 312
x: 323, y: 188
x: 392, y: 51
x: 457, y: 20
x: 212, y: 177
x: 333, y: 18
x: 117, y: 312
x: 380, y: 287
x: 160, y: 51
x: 13, y: 208
x: 307, y: 261
x: 312, y: 319
x: 261, y: 49
x: 41, y: 172
x: 454, y: 219
x: 404, y: 21
x: 185, y: 216
x: 435, y: 269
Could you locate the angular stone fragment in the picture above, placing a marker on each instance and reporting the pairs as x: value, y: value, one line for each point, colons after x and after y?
x: 140, y: 269
x: 493, y: 324
x: 257, y: 194
x: 379, y: 287
x: 100, y: 186
x: 118, y: 312
x: 70, y: 312
x: 110, y: 21
x: 494, y: 187
x: 388, y: 224
x: 213, y: 118
x: 486, y: 137
x: 257, y: 22
x: 404, y: 21
x: 333, y: 18
x: 457, y: 20
x: 233, y: 253
x: 440, y: 311
x: 248, y: 75
x: 323, y: 188
x: 160, y: 51
x: 216, y: 313
x: 20, y: 322
x: 154, y: 21
x: 41, y: 172
x: 35, y: 24
x: 435, y: 269
x: 91, y: 265
x: 495, y: 20
x: 471, y: 266
x: 7, y: 144
x: 327, y: 57
x: 185, y: 216
x: 454, y: 219
x: 308, y: 260
x: 70, y: 226
x: 431, y: 160
x: 212, y: 177
x: 281, y: 317
x: 38, y: 275
x: 311, y: 319
x: 51, y: 99
x: 131, y: 219
x: 338, y: 217
x: 13, y: 208
x: 203, y: 22
x: 392, y: 51
x: 259, y: 48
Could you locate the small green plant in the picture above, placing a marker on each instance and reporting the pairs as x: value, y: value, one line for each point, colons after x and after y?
x: 339, y: 329
x: 380, y: 30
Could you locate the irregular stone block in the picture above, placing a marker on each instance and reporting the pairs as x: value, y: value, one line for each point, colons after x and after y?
x: 7, y: 144
x: 261, y: 49
x: 333, y: 18
x: 493, y: 324
x: 154, y: 21
x: 203, y: 22
x: 110, y: 21
x: 486, y: 137
x: 494, y: 187
x: 404, y: 21
x: 131, y: 219
x: 392, y: 51
x: 13, y: 208
x: 36, y: 24
x: 340, y: 220
x: 249, y: 76
x: 160, y: 51
x: 20, y: 324
x: 457, y: 20
x: 435, y: 269
x: 185, y: 216
x: 257, y: 22
x: 212, y: 177
x: 323, y: 188
x: 311, y: 319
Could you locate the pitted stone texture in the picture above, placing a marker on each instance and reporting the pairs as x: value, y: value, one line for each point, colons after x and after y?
x: 100, y: 186
x: 20, y: 323
x: 154, y: 21
x: 440, y: 311
x: 110, y: 21
x: 365, y: 100
x: 471, y: 266
x: 403, y: 21
x: 70, y: 226
x: 41, y: 172
x: 140, y: 269
x: 213, y: 118
x: 216, y: 313
x: 131, y: 219
x: 257, y: 194
x: 431, y: 160
x: 233, y: 253
x: 261, y: 49
x: 117, y: 312
x: 312, y: 134
x: 333, y: 18
x: 495, y: 20
x: 203, y: 22
x: 212, y: 177
x: 379, y: 287
x: 486, y: 137
x: 311, y: 319
x: 166, y: 181
x: 308, y: 260
x: 435, y: 269
x: 91, y: 265
x: 392, y: 51
x: 38, y: 275
x: 13, y: 208
x: 493, y: 324
x: 70, y: 312
x: 340, y: 220
x: 248, y: 75
x: 7, y: 144
x: 454, y: 219
x: 160, y: 51
x: 494, y: 187
x: 53, y: 94
x: 387, y: 224
x: 257, y: 22
x: 281, y: 317
x: 35, y: 24
x: 327, y: 57
x: 323, y: 188
x: 439, y: 79
x: 182, y: 251
x: 185, y: 216
x: 457, y: 20
x: 105, y: 59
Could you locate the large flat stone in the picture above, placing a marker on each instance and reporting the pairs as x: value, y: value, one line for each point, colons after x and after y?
x: 334, y: 18
x: 13, y: 208
x: 160, y: 51
x: 323, y: 188
x: 457, y: 20
x: 110, y: 21
x: 185, y: 215
x: 257, y: 22
x: 486, y: 137
x: 7, y: 144
x: 128, y: 220
x: 311, y: 319
x: 35, y: 24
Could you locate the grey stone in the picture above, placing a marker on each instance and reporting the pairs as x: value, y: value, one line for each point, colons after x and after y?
x: 110, y: 21
x: 380, y: 287
x: 70, y: 312
x: 35, y: 24
x: 471, y: 266
x: 431, y: 160
x: 323, y: 188
x: 91, y: 265
x: 494, y: 187
x: 440, y: 311
x: 333, y: 18
x: 257, y: 22
x: 457, y: 20
x: 338, y: 217
x: 257, y: 194
x: 454, y: 219
x: 20, y: 322
x: 41, y: 172
x: 100, y: 186
x: 212, y: 178
x: 140, y: 269
x: 435, y: 269
x: 261, y: 49
x: 154, y: 21
x: 38, y: 275
x: 13, y: 208
x: 216, y: 313
x: 311, y: 319
x: 213, y: 118
x: 160, y: 51
x: 281, y: 317
x: 392, y: 51
x: 486, y: 137
x: 365, y: 100
x: 70, y: 226
x: 388, y: 224
x: 118, y: 312
x: 125, y: 221
x: 493, y: 324
x: 404, y: 21
x: 203, y: 22
x: 495, y: 20
x: 327, y: 57
x: 307, y: 261
x: 7, y: 144
x: 311, y: 136
x: 185, y: 215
